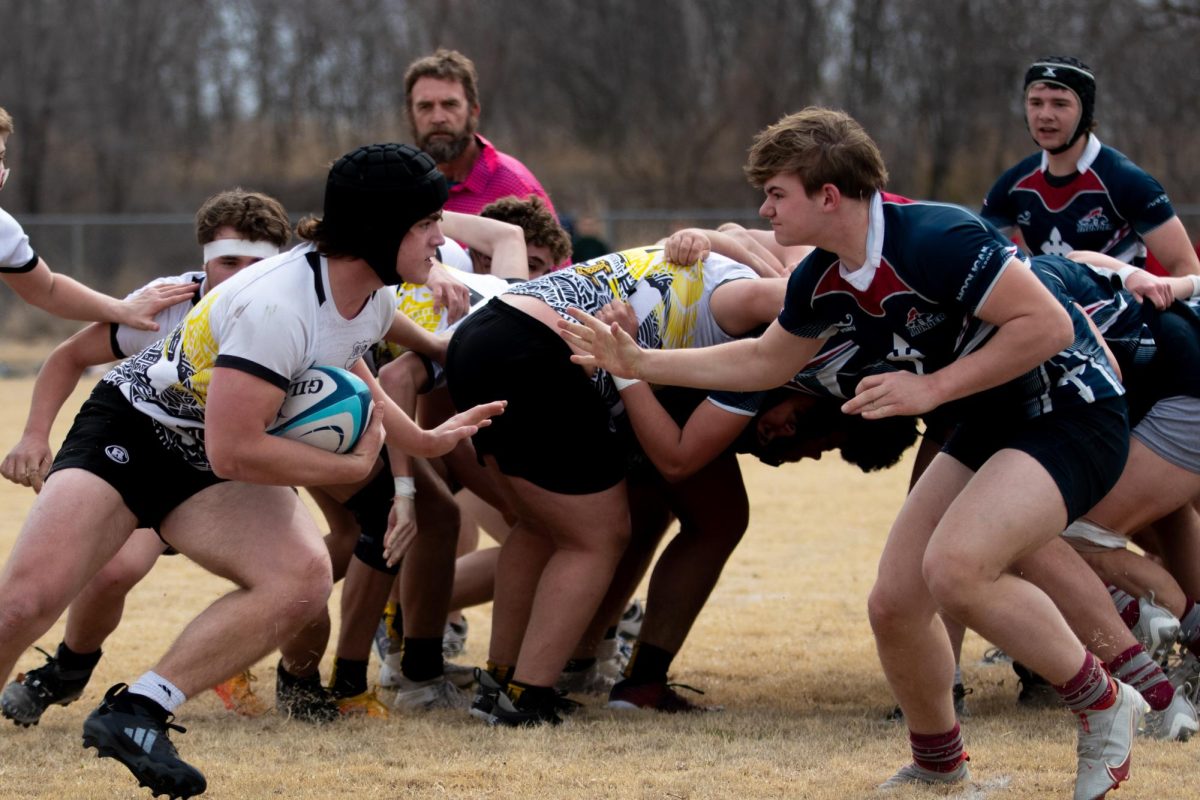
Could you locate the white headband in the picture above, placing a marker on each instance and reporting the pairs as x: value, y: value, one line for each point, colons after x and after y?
x: 238, y: 247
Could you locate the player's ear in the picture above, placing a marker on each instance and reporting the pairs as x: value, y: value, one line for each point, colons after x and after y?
x: 831, y: 197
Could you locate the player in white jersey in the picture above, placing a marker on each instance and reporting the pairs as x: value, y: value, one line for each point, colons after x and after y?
x: 175, y: 438
x: 235, y: 228
x: 28, y: 276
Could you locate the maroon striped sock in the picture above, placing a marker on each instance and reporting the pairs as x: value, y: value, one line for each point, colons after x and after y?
x: 938, y: 752
x: 1090, y: 688
x: 1135, y: 667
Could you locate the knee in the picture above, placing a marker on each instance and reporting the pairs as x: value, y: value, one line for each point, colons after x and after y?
x: 954, y: 579
x: 25, y: 608
x: 303, y: 588
x: 887, y: 609
x: 114, y: 580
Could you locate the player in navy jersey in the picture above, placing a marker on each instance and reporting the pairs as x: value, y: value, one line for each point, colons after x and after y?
x: 1041, y: 433
x: 1079, y: 194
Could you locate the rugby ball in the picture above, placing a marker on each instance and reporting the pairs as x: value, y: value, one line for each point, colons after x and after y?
x: 325, y: 407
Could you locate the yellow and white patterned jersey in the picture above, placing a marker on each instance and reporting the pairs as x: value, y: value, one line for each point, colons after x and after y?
x: 671, y: 300
x: 273, y: 320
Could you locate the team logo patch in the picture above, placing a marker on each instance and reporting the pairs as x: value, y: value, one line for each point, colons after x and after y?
x: 1024, y: 218
x: 117, y: 453
x: 1094, y: 220
x: 918, y: 322
x: 1055, y: 246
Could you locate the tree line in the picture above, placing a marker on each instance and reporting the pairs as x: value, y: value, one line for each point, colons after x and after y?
x: 147, y: 106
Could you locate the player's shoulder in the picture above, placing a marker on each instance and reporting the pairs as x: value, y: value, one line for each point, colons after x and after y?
x: 1009, y: 178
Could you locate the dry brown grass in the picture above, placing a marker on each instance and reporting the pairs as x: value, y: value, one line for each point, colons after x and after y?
x: 784, y: 645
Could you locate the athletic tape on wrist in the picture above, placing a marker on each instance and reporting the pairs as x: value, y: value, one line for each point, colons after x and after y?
x: 624, y: 383
x: 405, y: 486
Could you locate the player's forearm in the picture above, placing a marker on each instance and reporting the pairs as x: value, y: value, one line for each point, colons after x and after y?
x: 736, y: 366
x: 63, y: 296
x: 277, y: 461
x: 676, y: 452
x: 56, y: 380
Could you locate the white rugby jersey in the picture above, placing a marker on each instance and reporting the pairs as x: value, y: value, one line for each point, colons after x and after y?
x: 273, y: 319
x: 15, y: 253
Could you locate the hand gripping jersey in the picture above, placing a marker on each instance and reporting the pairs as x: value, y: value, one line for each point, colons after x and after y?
x: 126, y: 340
x: 1158, y: 351
x: 273, y: 319
x: 672, y: 303
x: 15, y: 253
x: 1108, y: 205
x: 913, y: 305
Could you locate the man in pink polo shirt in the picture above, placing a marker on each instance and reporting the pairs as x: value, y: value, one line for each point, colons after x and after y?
x: 442, y: 96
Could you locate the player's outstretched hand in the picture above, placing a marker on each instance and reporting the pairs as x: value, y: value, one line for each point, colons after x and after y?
x: 139, y: 311
x: 602, y: 345
x: 28, y: 463
x: 443, y: 438
x: 1146, y: 286
x: 452, y: 295
x: 402, y: 529
x: 892, y: 394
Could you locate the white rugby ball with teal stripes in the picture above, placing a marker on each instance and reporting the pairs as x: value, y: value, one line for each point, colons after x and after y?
x: 325, y: 407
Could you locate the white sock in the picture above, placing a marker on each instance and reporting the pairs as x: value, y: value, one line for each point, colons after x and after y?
x: 160, y: 690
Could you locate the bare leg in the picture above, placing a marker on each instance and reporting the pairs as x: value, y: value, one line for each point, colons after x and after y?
x: 96, y: 612
x: 263, y: 539
x: 1057, y: 570
x: 76, y: 525
x: 713, y: 512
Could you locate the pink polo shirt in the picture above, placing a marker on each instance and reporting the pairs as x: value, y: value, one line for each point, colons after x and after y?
x: 493, y: 176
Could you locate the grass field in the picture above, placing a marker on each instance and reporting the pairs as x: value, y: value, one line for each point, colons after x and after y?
x: 784, y: 645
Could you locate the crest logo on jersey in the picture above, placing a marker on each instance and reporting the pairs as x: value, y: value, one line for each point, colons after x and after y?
x: 885, y: 283
x: 918, y: 322
x: 1024, y: 218
x: 1092, y: 221
x: 117, y: 453
x: 1054, y: 244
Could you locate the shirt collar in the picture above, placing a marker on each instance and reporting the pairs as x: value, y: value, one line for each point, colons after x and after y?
x: 1090, y: 151
x: 861, y: 278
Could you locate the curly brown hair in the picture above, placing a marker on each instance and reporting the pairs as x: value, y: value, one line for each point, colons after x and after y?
x: 254, y: 215
x: 540, y: 225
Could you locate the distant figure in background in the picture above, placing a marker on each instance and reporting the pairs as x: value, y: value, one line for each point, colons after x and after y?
x: 28, y: 276
x: 587, y: 239
x: 442, y: 97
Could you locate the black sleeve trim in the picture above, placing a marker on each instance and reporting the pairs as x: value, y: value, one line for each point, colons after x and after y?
x: 33, y: 262
x: 253, y: 368
x: 112, y: 340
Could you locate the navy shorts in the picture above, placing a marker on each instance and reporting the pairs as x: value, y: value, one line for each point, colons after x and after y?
x: 1083, y: 448
x: 556, y: 431
x: 119, y: 444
